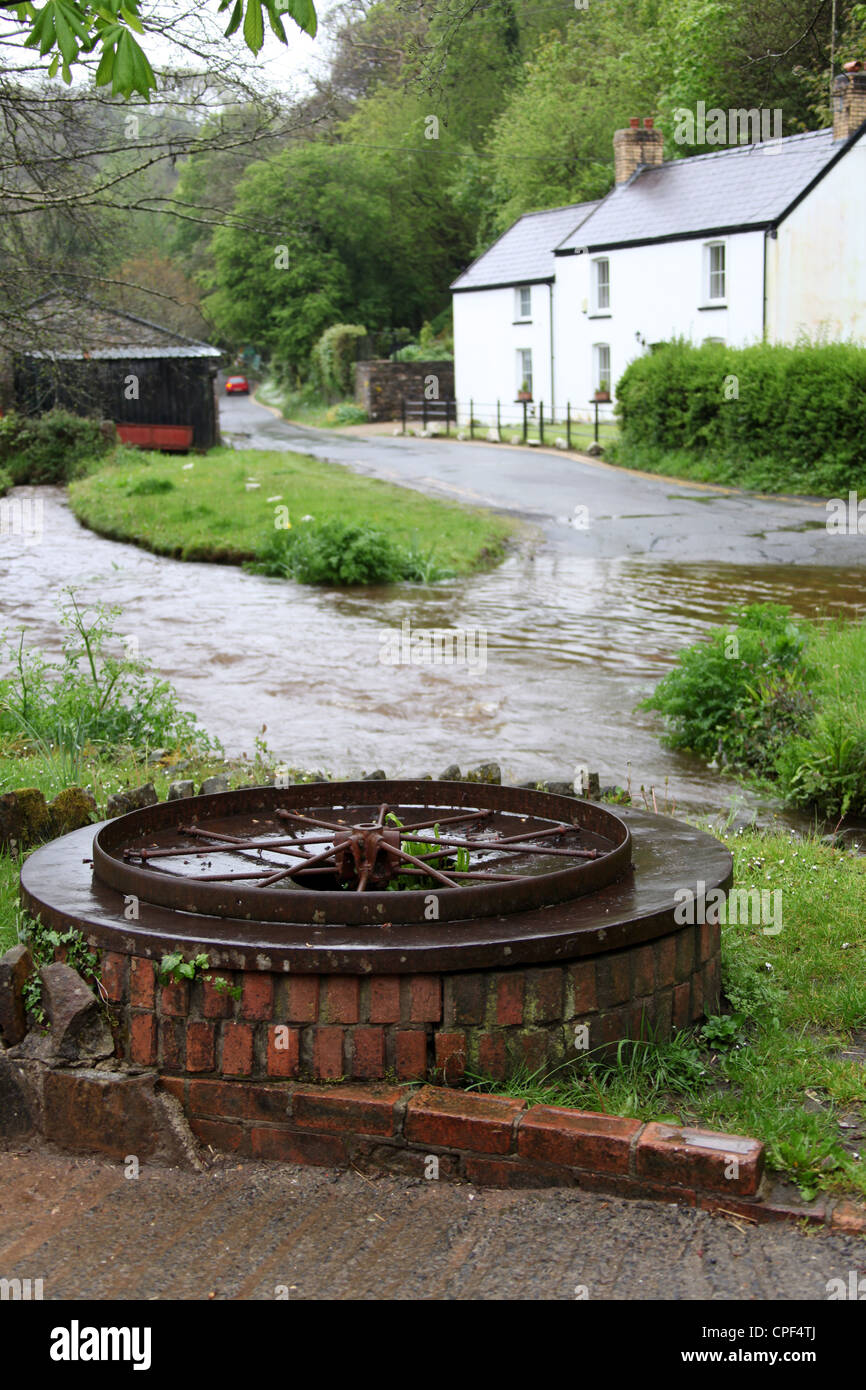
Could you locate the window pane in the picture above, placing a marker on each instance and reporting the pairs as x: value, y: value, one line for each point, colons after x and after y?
x: 524, y: 307
x: 524, y: 370
x: 717, y: 272
x: 602, y: 284
x: 602, y: 366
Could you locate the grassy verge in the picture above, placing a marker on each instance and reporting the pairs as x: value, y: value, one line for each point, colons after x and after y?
x: 581, y: 433
x: 305, y: 407
x: 772, y: 1064
x: 222, y: 507
x: 754, y: 475
x: 778, y: 701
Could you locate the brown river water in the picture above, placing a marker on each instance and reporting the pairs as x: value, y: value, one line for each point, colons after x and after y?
x: 572, y: 645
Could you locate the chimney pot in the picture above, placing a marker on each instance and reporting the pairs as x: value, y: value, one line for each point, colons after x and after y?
x: 634, y: 148
x: 635, y: 122
x: 849, y: 100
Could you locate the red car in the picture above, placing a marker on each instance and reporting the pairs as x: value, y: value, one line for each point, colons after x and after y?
x: 237, y: 385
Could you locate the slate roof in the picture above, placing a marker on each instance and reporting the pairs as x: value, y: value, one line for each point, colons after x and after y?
x: 74, y: 326
x: 751, y: 186
x: 524, y: 254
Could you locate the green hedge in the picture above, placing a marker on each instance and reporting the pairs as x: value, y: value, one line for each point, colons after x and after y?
x: 48, y: 448
x: 784, y: 419
x: 332, y: 365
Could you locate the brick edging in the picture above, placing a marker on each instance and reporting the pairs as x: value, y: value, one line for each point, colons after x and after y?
x: 492, y: 1140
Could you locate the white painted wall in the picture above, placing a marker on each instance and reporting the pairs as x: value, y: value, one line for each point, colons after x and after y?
x: 655, y: 293
x: 816, y: 283
x: 816, y: 266
x: 486, y: 339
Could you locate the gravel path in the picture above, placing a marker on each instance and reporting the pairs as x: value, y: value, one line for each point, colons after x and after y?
x: 265, y: 1231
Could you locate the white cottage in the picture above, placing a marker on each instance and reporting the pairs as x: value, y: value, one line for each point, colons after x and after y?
x: 767, y: 240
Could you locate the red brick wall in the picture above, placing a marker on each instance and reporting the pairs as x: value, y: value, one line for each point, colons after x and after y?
x: 411, y: 1027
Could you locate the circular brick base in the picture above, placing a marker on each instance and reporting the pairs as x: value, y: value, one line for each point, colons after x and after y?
x: 532, y: 989
x: 412, y: 1027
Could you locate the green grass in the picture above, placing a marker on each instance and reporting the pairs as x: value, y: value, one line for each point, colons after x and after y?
x: 581, y: 433
x: 304, y: 407
x: 779, y: 702
x: 208, y: 513
x: 802, y: 997
x: 766, y: 476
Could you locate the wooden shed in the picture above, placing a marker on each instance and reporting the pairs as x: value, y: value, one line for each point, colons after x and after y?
x: 157, y: 386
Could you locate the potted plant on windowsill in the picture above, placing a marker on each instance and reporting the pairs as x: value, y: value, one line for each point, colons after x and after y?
x: 603, y: 391
x: 524, y: 394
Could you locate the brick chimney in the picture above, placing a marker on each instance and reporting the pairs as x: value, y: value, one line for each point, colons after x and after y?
x: 849, y: 100
x: 635, y: 147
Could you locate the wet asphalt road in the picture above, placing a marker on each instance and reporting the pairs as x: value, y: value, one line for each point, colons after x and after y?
x: 626, y: 514
x: 265, y: 1231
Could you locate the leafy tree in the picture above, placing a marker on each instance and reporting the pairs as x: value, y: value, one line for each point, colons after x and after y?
x: 359, y: 230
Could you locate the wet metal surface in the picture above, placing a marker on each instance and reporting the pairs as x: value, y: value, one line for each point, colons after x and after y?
x: 58, y: 883
x: 129, y: 853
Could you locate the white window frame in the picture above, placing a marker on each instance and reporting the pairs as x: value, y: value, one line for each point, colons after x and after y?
x: 600, y: 373
x: 601, y: 285
x: 522, y: 373
x: 711, y: 275
x: 522, y: 315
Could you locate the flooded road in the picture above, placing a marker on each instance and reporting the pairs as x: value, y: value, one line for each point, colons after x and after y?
x: 573, y: 642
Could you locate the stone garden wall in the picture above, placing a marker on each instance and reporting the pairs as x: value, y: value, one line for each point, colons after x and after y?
x: 381, y: 385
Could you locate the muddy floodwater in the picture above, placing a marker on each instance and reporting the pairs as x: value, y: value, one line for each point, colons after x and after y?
x: 571, y: 644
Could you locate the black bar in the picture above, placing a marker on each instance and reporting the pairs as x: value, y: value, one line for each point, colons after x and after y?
x: 471, y: 419
x: 568, y: 424
x: 541, y: 422
x: 524, y: 421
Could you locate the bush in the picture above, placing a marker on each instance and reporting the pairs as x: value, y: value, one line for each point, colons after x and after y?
x: 91, y: 696
x: 768, y: 416
x: 824, y: 766
x: 332, y: 363
x: 347, y: 414
x: 435, y: 343
x: 737, y: 693
x: 785, y: 705
x: 49, y: 448
x: 336, y: 552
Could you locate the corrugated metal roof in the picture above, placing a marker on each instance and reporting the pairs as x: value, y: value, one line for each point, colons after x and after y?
x: 525, y: 252
x: 72, y: 326
x: 129, y: 353
x: 748, y: 186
